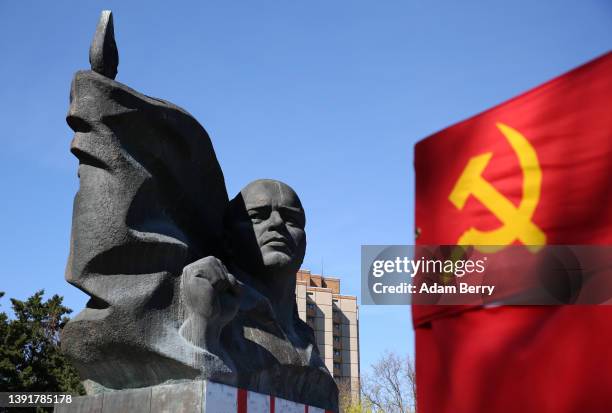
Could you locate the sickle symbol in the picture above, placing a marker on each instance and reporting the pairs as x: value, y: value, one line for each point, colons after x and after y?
x: 517, y: 223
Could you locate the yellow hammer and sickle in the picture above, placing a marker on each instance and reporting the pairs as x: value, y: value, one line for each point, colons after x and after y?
x: 517, y: 222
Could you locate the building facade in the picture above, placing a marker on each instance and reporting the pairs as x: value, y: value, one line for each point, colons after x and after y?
x: 335, y: 321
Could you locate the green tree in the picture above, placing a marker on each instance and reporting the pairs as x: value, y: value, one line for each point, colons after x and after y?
x: 30, y: 357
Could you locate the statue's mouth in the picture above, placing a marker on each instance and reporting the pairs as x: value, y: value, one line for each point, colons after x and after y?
x: 85, y: 156
x: 279, y: 246
x: 144, y: 253
x: 277, y: 241
x: 88, y: 159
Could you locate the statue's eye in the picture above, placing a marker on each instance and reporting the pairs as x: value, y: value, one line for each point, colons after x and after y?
x: 258, y: 214
x: 292, y: 218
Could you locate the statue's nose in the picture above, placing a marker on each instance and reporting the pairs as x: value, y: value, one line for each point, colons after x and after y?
x: 276, y: 220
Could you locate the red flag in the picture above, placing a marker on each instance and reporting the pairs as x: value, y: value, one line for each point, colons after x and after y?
x: 534, y: 170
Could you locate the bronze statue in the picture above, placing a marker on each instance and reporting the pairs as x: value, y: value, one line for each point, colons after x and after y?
x: 184, y: 283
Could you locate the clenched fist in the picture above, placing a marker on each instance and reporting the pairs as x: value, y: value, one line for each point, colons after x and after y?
x: 212, y: 297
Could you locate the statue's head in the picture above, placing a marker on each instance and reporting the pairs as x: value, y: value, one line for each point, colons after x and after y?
x: 265, y: 225
x: 137, y: 210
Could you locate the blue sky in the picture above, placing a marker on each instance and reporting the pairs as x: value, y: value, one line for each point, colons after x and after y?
x: 328, y: 96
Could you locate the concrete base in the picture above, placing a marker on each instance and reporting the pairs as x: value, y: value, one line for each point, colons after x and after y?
x: 184, y: 397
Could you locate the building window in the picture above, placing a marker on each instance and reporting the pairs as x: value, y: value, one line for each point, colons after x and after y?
x: 336, y: 339
x: 336, y: 352
x: 337, y: 366
x: 310, y: 306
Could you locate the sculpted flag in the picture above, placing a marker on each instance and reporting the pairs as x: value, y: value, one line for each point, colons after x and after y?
x: 535, y: 170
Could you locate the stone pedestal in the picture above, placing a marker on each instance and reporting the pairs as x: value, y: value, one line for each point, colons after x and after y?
x: 184, y: 397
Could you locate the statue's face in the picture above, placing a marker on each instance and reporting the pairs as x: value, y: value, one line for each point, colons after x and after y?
x: 108, y: 185
x: 137, y: 211
x: 267, y: 228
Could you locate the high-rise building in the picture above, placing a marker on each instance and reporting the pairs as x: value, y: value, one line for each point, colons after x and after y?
x: 335, y: 321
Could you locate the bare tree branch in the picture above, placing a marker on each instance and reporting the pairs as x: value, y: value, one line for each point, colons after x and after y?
x: 391, y: 386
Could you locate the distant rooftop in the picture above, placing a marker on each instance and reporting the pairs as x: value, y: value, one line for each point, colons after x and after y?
x: 305, y: 277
